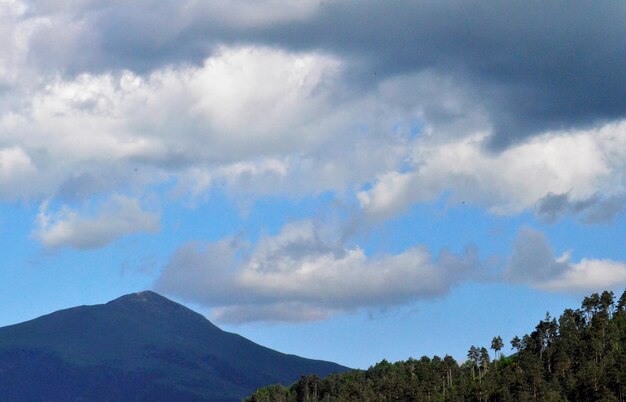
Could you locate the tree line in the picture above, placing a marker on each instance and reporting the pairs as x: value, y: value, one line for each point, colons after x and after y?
x: 579, y: 356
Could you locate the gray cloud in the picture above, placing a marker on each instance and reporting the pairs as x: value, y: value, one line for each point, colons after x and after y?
x: 603, y: 210
x: 533, y: 263
x: 534, y: 67
x: 144, y: 35
x: 97, y: 37
x: 552, y: 207
x: 301, y: 274
x: 596, y: 209
x: 532, y: 260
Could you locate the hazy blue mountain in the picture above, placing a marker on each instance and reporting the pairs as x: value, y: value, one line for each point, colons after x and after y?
x: 140, y: 347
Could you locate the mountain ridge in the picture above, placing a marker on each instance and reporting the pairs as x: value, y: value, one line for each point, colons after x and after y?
x: 140, y: 343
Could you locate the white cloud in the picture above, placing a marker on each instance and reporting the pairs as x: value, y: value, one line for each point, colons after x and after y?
x: 581, y: 164
x: 265, y: 97
x: 533, y: 263
x: 301, y: 268
x: 118, y: 217
x: 16, y: 169
x: 589, y: 275
x: 284, y: 118
x: 303, y: 273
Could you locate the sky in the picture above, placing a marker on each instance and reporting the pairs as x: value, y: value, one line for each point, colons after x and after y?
x: 343, y: 180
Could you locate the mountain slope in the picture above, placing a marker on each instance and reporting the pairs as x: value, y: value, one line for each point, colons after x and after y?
x: 138, y: 347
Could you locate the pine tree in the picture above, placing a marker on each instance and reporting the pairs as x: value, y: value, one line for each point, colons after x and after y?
x: 496, y: 345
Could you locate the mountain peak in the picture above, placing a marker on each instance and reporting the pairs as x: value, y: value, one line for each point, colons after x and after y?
x: 147, y: 299
x: 145, y: 296
x: 152, y: 304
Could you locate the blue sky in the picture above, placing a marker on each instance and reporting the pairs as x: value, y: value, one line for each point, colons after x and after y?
x: 341, y: 181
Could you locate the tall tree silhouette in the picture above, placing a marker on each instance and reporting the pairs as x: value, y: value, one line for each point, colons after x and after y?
x: 496, y: 344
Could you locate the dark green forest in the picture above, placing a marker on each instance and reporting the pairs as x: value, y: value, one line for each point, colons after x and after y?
x: 579, y: 356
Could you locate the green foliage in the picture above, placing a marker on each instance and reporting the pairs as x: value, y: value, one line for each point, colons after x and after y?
x: 272, y: 393
x: 581, y: 356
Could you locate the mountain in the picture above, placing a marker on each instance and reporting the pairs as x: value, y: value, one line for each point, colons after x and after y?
x: 139, y: 347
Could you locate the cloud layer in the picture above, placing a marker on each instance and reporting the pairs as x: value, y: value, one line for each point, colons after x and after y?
x: 533, y: 67
x: 301, y: 98
x: 301, y: 275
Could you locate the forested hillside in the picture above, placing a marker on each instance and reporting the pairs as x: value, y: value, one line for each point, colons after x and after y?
x: 581, y: 356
